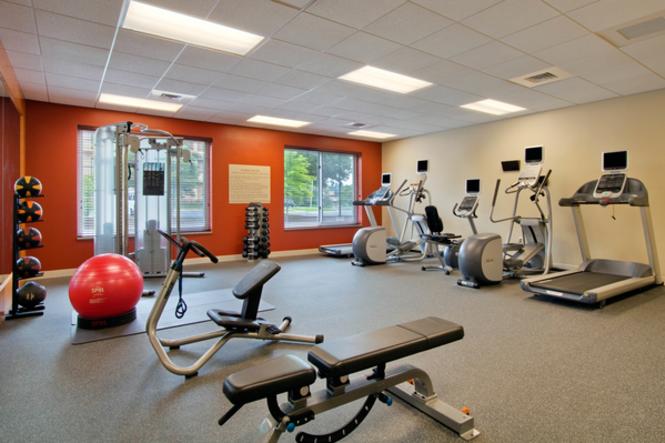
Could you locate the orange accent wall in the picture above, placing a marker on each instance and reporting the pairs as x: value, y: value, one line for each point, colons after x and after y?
x: 51, y: 156
x: 9, y: 171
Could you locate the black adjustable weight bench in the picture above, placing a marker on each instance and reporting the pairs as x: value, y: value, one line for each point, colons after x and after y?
x: 243, y: 324
x: 336, y: 361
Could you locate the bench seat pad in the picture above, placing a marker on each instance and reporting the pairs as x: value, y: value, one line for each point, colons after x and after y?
x: 338, y: 357
x: 276, y: 376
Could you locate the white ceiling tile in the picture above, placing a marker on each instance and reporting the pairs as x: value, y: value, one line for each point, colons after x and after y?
x: 516, y: 67
x: 68, y: 67
x: 611, y: 70
x: 180, y: 87
x: 74, y: 30
x: 197, y: 8
x: 645, y: 81
x: 363, y: 47
x: 203, y: 58
x: 190, y: 112
x: 35, y: 91
x: 576, y: 90
x: 450, y: 41
x: 328, y: 65
x: 257, y: 16
x: 456, y: 9
x: 192, y: 75
x: 321, y: 96
x: 28, y: 76
x: 100, y: 11
x: 280, y: 91
x: 406, y: 60
x: 131, y: 91
x: 236, y: 83
x: 216, y: 104
x: 17, y: 17
x: 70, y: 82
x: 353, y: 12
x: 439, y: 70
x: 510, y: 16
x: 301, y: 79
x: 73, y: 97
x: 258, y: 69
x: 569, y: 5
x: 608, y: 13
x: 530, y: 99
x: 142, y: 65
x: 313, y: 32
x: 449, y: 96
x: 131, y: 78
x: 546, y: 34
x: 298, y: 104
x: 214, y: 93
x: 19, y: 41
x: 649, y: 52
x: 66, y: 51
x: 21, y: 2
x: 474, y: 82
x: 250, y: 101
x: 282, y: 53
x: 24, y: 60
x: 589, y: 47
x: 487, y: 55
x: 136, y: 43
x: 407, y: 23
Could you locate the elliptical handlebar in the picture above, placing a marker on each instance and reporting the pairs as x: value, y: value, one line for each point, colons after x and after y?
x: 542, y: 183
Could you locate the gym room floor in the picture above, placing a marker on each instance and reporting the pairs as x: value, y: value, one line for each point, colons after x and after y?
x: 530, y: 370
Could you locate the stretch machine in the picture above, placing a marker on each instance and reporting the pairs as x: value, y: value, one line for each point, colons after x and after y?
x: 465, y: 209
x: 483, y: 259
x: 596, y: 280
x: 372, y: 246
x: 381, y: 197
x: 340, y: 362
x: 245, y: 324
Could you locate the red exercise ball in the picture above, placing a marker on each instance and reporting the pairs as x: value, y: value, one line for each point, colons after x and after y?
x: 105, y: 290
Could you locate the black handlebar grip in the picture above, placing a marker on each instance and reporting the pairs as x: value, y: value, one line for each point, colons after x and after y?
x: 170, y: 238
x: 496, y: 191
x: 202, y: 251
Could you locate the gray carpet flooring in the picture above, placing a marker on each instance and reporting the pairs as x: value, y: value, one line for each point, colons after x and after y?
x: 530, y: 370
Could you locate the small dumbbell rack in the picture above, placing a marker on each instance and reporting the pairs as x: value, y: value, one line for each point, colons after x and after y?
x: 18, y: 311
x: 256, y: 244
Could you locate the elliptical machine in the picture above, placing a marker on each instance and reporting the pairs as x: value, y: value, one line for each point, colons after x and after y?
x: 465, y: 209
x: 372, y: 246
x: 483, y: 259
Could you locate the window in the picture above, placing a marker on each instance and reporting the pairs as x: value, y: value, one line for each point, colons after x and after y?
x: 194, y: 187
x: 319, y: 188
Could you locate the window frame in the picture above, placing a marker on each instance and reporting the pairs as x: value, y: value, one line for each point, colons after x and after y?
x: 208, y: 184
x: 356, y: 188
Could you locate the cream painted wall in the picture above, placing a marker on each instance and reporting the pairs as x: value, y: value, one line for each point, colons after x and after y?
x: 573, y: 140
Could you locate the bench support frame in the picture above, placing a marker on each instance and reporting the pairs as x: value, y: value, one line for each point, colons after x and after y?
x: 420, y: 395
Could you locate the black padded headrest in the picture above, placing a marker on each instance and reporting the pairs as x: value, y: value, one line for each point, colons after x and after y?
x: 255, y: 278
x: 434, y: 222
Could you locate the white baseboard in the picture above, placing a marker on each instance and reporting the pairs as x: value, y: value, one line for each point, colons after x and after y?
x: 56, y: 273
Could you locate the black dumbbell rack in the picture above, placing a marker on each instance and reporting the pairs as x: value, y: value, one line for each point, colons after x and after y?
x: 256, y: 244
x: 18, y: 311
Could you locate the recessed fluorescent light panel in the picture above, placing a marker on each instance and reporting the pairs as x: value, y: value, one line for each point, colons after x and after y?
x: 380, y: 78
x: 493, y: 107
x: 133, y: 102
x: 173, y: 25
x: 275, y: 121
x: 372, y: 134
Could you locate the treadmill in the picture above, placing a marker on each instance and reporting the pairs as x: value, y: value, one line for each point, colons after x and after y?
x: 380, y: 197
x: 596, y: 280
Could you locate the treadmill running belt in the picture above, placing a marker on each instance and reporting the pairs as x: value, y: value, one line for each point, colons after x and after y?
x: 578, y: 282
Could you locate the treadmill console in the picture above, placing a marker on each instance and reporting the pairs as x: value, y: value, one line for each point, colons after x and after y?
x: 611, y: 184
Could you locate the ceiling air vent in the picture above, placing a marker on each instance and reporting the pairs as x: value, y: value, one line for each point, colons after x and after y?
x: 357, y: 125
x: 542, y: 77
x: 635, y: 30
x: 171, y: 96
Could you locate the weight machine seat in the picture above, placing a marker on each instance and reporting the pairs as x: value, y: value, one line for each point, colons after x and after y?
x: 232, y: 322
x: 255, y: 278
x: 278, y: 375
x: 347, y: 355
